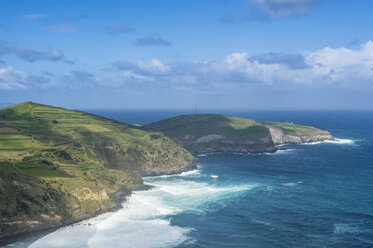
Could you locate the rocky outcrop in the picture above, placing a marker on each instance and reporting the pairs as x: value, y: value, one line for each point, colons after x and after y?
x: 280, y: 137
x: 209, y: 138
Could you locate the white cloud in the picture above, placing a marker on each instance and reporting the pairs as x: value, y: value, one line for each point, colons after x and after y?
x: 140, y: 71
x: 336, y: 67
x: 339, y: 66
x: 344, y: 65
x: 130, y: 75
x: 327, y: 66
x: 11, y: 79
x: 155, y: 66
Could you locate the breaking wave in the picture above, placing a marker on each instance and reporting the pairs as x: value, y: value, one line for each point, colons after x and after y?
x: 335, y: 141
x: 146, y: 217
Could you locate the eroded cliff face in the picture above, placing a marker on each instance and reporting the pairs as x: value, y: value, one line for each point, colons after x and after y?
x: 217, y: 143
x: 280, y: 137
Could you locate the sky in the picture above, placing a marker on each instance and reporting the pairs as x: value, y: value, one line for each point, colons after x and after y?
x: 161, y: 54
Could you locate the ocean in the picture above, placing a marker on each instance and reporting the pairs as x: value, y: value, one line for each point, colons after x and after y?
x: 312, y: 195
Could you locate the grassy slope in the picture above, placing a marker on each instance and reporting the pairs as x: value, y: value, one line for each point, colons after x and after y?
x: 57, y: 163
x: 246, y: 134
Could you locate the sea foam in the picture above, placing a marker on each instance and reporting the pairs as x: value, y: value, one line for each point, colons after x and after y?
x: 138, y: 224
x: 289, y: 184
x: 146, y: 217
x: 182, y: 174
x: 335, y: 141
x: 341, y: 141
x: 278, y: 152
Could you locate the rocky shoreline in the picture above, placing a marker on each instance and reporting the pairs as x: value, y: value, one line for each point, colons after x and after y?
x: 117, y: 198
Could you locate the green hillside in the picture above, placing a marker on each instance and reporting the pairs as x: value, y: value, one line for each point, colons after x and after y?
x: 56, y: 164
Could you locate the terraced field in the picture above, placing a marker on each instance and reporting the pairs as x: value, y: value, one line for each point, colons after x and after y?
x: 82, y: 158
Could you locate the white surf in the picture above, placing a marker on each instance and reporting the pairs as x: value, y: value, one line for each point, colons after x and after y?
x: 146, y: 218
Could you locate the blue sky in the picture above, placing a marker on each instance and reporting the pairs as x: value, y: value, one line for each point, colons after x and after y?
x: 247, y: 54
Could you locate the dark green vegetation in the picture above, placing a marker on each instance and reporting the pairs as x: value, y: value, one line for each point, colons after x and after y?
x: 57, y: 164
x: 218, y: 133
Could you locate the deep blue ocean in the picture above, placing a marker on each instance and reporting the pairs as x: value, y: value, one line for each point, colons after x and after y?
x: 317, y: 195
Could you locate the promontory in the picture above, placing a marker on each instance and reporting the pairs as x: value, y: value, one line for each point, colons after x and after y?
x: 211, y: 133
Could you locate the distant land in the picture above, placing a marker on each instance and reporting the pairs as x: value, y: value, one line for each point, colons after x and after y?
x: 58, y: 166
x: 210, y: 133
x: 5, y: 104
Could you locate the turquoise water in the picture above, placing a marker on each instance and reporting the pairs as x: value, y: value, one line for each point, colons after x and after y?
x: 318, y: 195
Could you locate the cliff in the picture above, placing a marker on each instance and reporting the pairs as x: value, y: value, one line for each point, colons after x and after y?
x: 57, y: 164
x: 209, y: 133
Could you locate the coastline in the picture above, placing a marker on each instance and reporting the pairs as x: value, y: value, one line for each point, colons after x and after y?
x: 276, y: 148
x: 43, y: 229
x: 118, y: 198
x: 121, y: 196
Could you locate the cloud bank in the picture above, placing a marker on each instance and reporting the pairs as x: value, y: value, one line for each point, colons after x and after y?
x: 341, y: 67
x: 327, y: 67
